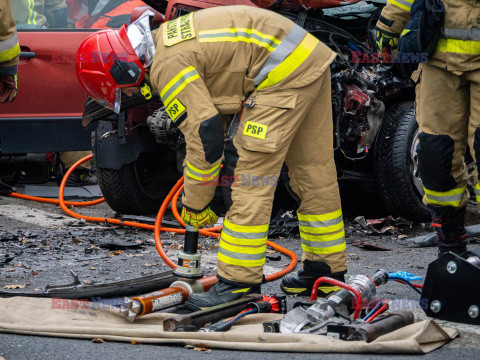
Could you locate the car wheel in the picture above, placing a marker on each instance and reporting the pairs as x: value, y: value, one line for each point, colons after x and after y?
x: 396, y: 164
x: 139, y: 187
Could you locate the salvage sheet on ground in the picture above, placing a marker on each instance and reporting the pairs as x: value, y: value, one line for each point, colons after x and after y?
x: 84, y: 320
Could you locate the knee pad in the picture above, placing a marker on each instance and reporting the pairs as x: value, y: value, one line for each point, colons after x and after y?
x: 435, y: 155
x: 211, y: 134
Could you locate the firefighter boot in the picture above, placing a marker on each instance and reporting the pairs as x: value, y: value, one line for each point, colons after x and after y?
x: 301, y: 282
x: 450, y: 226
x: 220, y: 293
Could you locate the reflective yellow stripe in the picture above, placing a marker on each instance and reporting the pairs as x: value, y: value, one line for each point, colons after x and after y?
x: 458, y: 46
x: 294, y: 60
x: 241, y: 290
x: 242, y: 249
x: 322, y: 217
x: 322, y: 223
x: 237, y: 262
x: 402, y: 4
x: 405, y: 31
x: 246, y: 228
x: 239, y: 34
x: 9, y: 54
x: 178, y: 83
x: 202, y: 175
x: 322, y: 230
x: 327, y: 250
x: 477, y: 192
x: 445, y: 198
x: 323, y: 237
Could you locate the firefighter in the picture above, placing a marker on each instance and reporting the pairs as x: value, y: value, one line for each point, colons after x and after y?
x: 97, y: 14
x: 448, y: 113
x: 9, y: 51
x: 211, y: 62
x: 40, y: 14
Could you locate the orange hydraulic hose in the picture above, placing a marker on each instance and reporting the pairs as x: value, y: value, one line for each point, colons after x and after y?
x: 172, y: 198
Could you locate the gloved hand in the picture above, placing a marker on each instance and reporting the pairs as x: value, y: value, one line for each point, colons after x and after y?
x: 204, y: 218
x: 8, y: 88
x: 386, y: 41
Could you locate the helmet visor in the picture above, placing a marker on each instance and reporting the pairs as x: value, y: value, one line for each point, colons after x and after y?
x: 140, y: 36
x: 116, y: 105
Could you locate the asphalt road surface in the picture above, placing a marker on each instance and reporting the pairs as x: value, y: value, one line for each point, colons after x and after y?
x: 43, y: 243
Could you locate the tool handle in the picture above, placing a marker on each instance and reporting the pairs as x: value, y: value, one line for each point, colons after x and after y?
x: 387, y: 324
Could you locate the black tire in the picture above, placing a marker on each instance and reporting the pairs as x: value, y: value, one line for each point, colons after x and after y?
x: 396, y: 173
x: 139, y: 187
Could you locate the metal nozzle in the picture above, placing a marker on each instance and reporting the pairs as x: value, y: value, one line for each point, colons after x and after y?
x: 131, y: 309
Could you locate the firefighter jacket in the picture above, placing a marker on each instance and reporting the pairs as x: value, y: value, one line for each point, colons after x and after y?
x: 9, y: 47
x: 34, y: 14
x: 458, y: 48
x: 208, y: 62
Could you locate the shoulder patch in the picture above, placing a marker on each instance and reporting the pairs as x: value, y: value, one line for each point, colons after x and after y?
x: 178, y: 30
x: 175, y: 109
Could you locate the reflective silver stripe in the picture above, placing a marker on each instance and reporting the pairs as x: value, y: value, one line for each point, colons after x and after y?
x: 100, y: 5
x: 10, y: 43
x: 323, y: 244
x: 446, y: 198
x: 462, y: 34
x: 240, y: 235
x: 291, y: 41
x: 325, y: 223
x: 238, y: 256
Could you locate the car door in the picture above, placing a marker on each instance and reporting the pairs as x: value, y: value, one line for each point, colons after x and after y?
x: 46, y: 115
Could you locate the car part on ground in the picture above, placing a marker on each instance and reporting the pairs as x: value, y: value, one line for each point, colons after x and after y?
x: 79, y: 290
x: 431, y: 239
x: 451, y: 288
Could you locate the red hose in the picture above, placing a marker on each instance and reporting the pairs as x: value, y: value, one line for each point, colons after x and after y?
x: 172, y: 198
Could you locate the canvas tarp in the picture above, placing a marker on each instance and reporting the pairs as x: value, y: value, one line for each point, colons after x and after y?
x: 54, y: 317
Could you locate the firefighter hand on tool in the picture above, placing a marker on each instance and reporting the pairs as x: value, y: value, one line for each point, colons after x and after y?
x: 199, y: 219
x: 386, y: 42
x: 8, y: 88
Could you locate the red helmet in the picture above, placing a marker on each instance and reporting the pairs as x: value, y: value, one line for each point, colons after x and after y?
x: 107, y: 62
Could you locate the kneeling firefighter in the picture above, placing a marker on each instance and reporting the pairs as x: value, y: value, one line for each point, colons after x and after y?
x: 448, y: 101
x: 209, y: 63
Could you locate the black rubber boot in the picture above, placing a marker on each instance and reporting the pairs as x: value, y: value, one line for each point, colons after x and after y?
x: 450, y: 226
x: 301, y: 282
x: 81, y: 177
x: 220, y: 293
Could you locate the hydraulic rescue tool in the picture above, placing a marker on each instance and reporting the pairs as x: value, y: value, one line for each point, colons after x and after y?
x: 452, y: 288
x: 336, y: 308
x: 215, y: 315
x: 190, y: 280
x: 369, y: 331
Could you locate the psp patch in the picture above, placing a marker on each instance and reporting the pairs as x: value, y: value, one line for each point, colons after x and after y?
x: 178, y: 30
x: 175, y: 109
x: 255, y: 130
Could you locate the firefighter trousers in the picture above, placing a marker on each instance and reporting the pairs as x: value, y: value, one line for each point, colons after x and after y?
x: 448, y: 114
x: 292, y: 126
